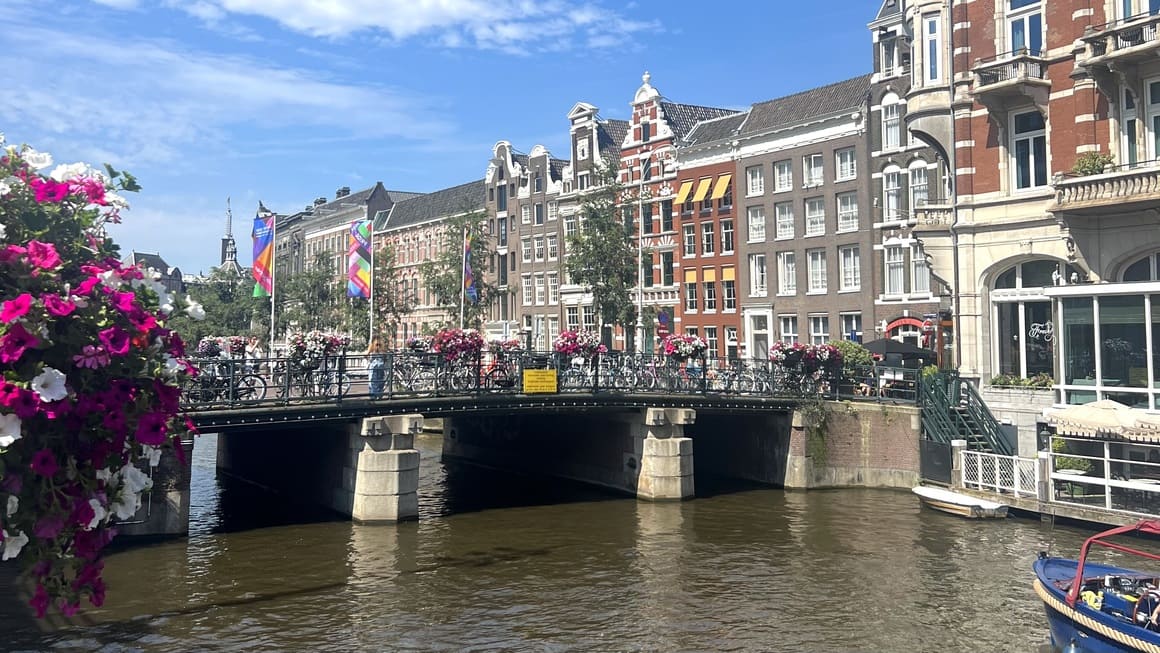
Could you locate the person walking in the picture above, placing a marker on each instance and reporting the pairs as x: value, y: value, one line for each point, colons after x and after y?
x: 377, y: 365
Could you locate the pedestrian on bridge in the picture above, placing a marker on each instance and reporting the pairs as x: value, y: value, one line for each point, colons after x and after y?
x: 377, y: 365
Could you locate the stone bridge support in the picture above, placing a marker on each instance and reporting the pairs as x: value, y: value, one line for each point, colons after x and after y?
x: 380, y: 481
x: 643, y: 452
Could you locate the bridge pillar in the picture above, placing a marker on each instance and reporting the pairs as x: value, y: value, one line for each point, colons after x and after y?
x: 666, y: 455
x: 165, y: 512
x: 957, y: 449
x: 381, y: 477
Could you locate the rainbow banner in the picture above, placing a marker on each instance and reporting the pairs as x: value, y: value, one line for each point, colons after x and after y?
x: 359, y: 255
x: 263, y: 235
x: 468, y: 277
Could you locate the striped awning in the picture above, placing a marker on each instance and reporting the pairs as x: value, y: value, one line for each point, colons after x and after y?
x: 1106, y: 419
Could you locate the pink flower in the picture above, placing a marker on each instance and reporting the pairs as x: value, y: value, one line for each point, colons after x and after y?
x: 40, y: 601
x: 49, y: 526
x: 126, y: 302
x: 15, y: 343
x: 44, y: 463
x: 12, y: 253
x: 115, y: 340
x: 14, y: 309
x: 23, y: 402
x: 57, y: 306
x: 91, y: 357
x: 69, y: 608
x: 43, y: 255
x: 151, y: 428
x: 87, y: 544
x: 93, y: 190
x: 114, y: 420
x: 48, y: 190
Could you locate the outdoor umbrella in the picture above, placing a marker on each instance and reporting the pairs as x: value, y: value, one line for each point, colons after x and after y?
x: 1105, y: 418
x: 887, y: 346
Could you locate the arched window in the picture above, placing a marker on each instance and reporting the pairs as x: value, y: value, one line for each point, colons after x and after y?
x: 1022, y: 323
x: 891, y: 122
x: 919, y: 183
x: 891, y: 193
x: 1144, y: 269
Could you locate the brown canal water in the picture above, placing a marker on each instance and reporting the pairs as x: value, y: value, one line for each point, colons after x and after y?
x: 498, y: 562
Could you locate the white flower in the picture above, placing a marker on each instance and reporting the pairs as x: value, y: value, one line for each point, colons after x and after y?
x: 81, y: 302
x: 3, y: 229
x: 194, y: 309
x: 49, y: 385
x: 126, y: 505
x: 134, y: 479
x: 36, y: 159
x: 9, y: 430
x: 1, y: 138
x: 111, y: 279
x: 116, y: 201
x: 13, y: 544
x: 152, y: 453
x: 13, y: 505
x: 99, y: 514
x: 67, y: 171
x: 105, y: 475
x: 7, y: 184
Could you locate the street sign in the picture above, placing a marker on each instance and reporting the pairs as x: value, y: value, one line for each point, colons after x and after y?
x: 540, y: 382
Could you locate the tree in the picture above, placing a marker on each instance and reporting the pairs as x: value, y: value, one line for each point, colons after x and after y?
x: 230, y: 308
x: 444, y: 274
x: 392, y: 302
x: 312, y: 299
x: 602, y: 255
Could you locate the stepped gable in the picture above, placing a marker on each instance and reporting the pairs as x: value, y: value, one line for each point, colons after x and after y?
x: 681, y: 118
x: 437, y: 204
x: 839, y: 97
x: 708, y: 131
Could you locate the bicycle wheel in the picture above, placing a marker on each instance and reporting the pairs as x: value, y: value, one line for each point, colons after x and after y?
x: 250, y: 387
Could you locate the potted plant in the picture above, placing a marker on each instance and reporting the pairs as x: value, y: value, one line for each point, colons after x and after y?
x: 683, y: 347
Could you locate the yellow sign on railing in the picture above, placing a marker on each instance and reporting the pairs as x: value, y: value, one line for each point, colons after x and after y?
x: 539, y: 381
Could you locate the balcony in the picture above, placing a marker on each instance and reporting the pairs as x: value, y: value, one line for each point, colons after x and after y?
x: 1118, y: 189
x: 1129, y: 40
x: 1010, y: 79
x: 933, y: 214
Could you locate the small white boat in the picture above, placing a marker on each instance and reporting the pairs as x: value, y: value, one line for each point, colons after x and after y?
x: 962, y: 505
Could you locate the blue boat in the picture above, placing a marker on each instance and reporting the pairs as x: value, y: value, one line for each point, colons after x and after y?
x: 1100, y: 608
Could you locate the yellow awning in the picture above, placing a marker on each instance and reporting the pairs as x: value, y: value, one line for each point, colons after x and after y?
x: 709, y: 274
x: 702, y: 189
x: 721, y: 186
x: 728, y: 274
x: 691, y: 276
x: 683, y: 193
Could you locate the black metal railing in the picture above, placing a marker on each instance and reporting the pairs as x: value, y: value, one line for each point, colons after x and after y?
x: 238, y: 383
x: 1019, y: 64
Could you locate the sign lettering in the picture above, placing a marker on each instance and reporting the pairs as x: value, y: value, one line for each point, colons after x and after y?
x: 540, y: 382
x: 1042, y: 330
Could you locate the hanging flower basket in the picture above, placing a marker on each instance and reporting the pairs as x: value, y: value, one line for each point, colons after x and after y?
x: 457, y: 344
x: 578, y: 343
x: 683, y: 347
x: 419, y: 344
x: 308, y: 350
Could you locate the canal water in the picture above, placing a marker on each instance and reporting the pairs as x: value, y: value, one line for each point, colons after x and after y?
x: 498, y: 562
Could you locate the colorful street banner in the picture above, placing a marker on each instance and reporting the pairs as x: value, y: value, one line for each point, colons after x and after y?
x: 263, y: 268
x: 468, y: 277
x: 359, y: 256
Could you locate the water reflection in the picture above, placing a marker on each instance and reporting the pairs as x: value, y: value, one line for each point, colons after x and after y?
x: 520, y: 563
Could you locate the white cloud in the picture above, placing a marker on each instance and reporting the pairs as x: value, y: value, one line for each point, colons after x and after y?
x: 130, y: 102
x: 510, y: 25
x: 119, y: 4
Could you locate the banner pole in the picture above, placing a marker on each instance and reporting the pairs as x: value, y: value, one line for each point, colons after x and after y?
x: 463, y: 278
x: 371, y: 298
x: 273, y: 277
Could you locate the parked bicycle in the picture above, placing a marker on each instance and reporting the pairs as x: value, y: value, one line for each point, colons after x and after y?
x: 224, y: 382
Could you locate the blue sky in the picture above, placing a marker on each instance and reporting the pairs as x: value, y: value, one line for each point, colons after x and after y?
x: 288, y: 100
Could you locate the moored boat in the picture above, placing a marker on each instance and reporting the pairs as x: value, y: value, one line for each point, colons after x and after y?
x: 1101, y: 608
x: 962, y: 505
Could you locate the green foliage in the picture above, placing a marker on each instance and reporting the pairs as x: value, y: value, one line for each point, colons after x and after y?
x: 311, y: 300
x: 1091, y: 163
x: 1060, y: 446
x: 602, y: 256
x: 393, y: 300
x: 816, y: 419
x: 1039, y: 381
x: 444, y: 274
x: 230, y: 309
x: 929, y: 371
x: 854, y: 356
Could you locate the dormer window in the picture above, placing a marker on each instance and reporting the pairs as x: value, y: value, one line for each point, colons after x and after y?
x: 539, y: 183
x: 888, y: 64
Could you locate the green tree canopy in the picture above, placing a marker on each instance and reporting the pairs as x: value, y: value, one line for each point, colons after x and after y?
x: 444, y: 274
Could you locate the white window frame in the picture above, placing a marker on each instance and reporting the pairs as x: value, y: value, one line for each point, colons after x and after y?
x: 1031, y: 138
x: 1130, y: 132
x: 817, y: 277
x: 850, y: 261
x: 787, y: 328
x: 540, y: 289
x: 787, y: 273
x: 847, y: 211
x: 758, y: 276
x: 709, y: 290
x: 708, y: 239
x: 526, y: 250
x: 571, y: 228
x: 526, y: 288
x: 892, y: 194
x: 755, y: 223
x: 1152, y: 113
x: 919, y: 271
x: 784, y: 220
x: 888, y: 56
x: 525, y: 214
x: 814, y: 170
x: 846, y: 163
x: 553, y: 247
x: 553, y: 211
x: 1023, y: 15
x: 553, y: 288
x: 891, y: 123
x: 850, y: 322
x: 728, y: 237
x: 894, y: 261
x: 919, y: 184
x: 783, y: 174
x: 691, y: 297
x: 689, y: 240
x: 755, y: 181
x: 538, y: 248
x: 729, y: 295
x: 932, y: 68
x: 819, y: 329
x: 815, y: 216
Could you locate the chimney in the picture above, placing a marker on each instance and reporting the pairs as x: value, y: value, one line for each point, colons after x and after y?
x: 320, y: 201
x: 342, y: 192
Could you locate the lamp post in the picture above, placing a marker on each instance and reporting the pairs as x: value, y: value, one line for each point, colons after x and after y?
x: 643, y: 159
